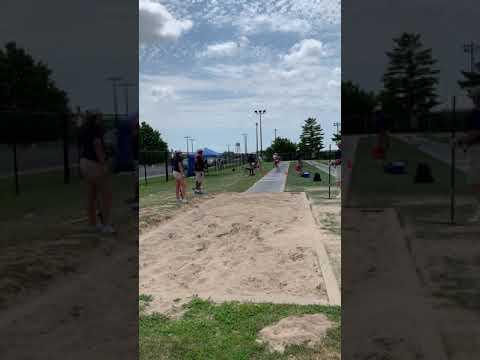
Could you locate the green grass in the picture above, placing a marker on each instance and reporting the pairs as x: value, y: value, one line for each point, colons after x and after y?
x: 228, y: 331
x: 371, y: 183
x: 46, y: 194
x: 297, y: 183
x: 160, y: 192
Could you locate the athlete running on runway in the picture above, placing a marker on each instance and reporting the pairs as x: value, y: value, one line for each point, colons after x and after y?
x: 276, y: 161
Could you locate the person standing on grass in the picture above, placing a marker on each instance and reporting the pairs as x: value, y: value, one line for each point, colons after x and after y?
x: 471, y: 142
x: 199, y: 171
x: 179, y: 175
x: 94, y: 168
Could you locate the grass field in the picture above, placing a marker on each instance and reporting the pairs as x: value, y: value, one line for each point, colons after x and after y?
x: 45, y: 227
x: 298, y: 183
x: 158, y: 201
x: 228, y: 331
x: 375, y: 187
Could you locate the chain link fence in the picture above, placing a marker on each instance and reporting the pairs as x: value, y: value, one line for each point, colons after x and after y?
x: 34, y: 143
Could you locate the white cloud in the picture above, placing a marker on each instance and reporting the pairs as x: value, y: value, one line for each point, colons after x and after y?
x: 225, y: 49
x: 157, y: 23
x: 160, y: 93
x: 272, y: 23
x: 306, y: 52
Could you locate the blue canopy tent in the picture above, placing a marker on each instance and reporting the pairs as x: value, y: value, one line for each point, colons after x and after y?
x: 207, y: 153
x: 210, y: 153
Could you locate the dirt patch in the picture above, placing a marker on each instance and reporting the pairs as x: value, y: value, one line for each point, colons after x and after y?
x: 306, y: 330
x: 231, y: 248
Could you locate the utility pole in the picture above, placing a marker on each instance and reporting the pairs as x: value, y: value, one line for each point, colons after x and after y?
x: 187, y: 138
x: 192, y: 141
x: 470, y: 49
x: 337, y: 125
x: 260, y: 113
x: 275, y: 134
x: 115, y: 80
x: 126, y: 86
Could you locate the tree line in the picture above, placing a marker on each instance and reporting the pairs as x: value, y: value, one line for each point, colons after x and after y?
x: 409, y: 97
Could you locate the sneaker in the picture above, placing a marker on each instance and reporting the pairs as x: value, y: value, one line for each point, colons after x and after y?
x: 108, y: 229
x: 185, y: 201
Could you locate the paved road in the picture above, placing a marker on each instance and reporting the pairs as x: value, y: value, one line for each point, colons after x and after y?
x: 273, y: 181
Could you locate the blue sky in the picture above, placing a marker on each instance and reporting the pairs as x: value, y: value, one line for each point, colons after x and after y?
x: 206, y: 65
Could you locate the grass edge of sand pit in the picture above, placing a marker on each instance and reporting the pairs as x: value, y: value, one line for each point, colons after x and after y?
x: 228, y: 330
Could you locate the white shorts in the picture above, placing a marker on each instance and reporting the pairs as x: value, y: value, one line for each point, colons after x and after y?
x: 177, y: 175
x: 474, y: 165
x: 199, y: 176
x: 92, y: 171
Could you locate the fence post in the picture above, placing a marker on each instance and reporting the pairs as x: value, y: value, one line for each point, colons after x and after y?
x: 66, y: 147
x: 15, y: 167
x: 166, y: 165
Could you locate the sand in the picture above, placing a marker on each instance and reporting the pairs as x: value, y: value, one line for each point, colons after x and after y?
x: 242, y: 247
x: 308, y: 330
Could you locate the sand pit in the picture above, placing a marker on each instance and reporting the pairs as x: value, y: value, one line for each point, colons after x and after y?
x: 247, y: 247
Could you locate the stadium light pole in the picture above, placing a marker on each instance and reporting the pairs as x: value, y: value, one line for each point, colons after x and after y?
x: 256, y: 133
x: 260, y: 113
x: 187, y: 138
x: 470, y: 49
x: 115, y: 80
x: 192, y: 141
x: 126, y: 86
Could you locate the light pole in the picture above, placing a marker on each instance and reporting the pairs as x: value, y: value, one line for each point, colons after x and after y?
x: 470, y: 49
x: 275, y: 134
x: 187, y: 138
x: 260, y: 113
x: 115, y: 80
x: 245, y: 142
x: 256, y: 133
x: 126, y: 86
x: 192, y: 141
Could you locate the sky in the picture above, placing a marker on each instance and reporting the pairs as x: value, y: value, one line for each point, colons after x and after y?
x: 206, y: 65
x: 368, y: 30
x: 82, y: 41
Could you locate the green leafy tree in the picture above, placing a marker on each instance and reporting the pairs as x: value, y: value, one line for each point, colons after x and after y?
x: 471, y: 79
x: 357, y: 106
x: 282, y: 146
x: 337, y: 137
x: 32, y: 103
x: 311, y: 139
x: 152, y: 147
x: 410, y: 80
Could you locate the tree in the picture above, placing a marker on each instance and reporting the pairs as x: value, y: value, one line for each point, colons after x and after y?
x: 29, y: 97
x: 357, y: 106
x: 337, y: 137
x: 410, y: 80
x: 471, y: 80
x: 152, y: 146
x: 282, y: 146
x: 311, y: 139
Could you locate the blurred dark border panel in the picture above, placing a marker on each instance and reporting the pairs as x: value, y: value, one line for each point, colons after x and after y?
x: 411, y: 186
x: 68, y: 202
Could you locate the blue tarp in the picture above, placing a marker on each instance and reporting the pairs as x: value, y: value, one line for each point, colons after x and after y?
x: 210, y: 153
